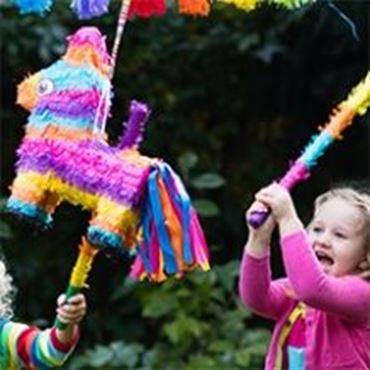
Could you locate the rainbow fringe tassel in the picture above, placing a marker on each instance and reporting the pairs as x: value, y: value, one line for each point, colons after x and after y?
x: 172, y: 241
x: 86, y: 9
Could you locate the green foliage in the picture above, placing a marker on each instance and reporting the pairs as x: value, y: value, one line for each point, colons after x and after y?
x: 5, y: 230
x: 187, y: 163
x: 200, y: 324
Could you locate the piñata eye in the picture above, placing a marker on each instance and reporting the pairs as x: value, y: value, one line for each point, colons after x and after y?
x: 45, y: 86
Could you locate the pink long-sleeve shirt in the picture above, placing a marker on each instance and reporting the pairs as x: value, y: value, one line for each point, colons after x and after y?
x: 338, y: 308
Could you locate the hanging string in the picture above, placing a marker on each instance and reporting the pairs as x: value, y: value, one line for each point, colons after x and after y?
x: 346, y: 19
x: 101, y: 118
x: 122, y: 20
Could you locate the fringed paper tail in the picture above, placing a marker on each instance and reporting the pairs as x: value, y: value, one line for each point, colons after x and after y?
x: 173, y: 241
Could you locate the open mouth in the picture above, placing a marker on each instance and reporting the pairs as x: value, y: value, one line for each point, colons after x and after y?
x: 324, y: 258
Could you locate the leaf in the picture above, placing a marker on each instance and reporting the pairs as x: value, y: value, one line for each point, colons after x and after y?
x: 183, y: 328
x: 187, y: 161
x: 5, y: 231
x: 248, y: 42
x: 174, y: 331
x: 206, y: 207
x: 268, y: 52
x: 243, y: 357
x: 227, y: 273
x: 209, y: 180
x: 100, y: 356
x: 221, y: 346
x: 158, y: 305
x: 200, y: 362
x: 126, y: 354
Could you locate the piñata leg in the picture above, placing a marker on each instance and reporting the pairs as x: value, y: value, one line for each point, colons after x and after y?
x: 30, y: 198
x: 113, y: 227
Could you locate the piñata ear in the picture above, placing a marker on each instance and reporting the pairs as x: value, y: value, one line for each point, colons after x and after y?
x: 86, y: 9
x: 133, y: 134
x: 87, y: 46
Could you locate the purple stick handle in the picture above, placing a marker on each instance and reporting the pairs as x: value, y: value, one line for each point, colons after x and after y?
x: 296, y: 173
x: 257, y: 218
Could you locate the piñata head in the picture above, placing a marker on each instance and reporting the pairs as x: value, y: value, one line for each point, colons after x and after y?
x: 137, y: 202
x: 74, y: 89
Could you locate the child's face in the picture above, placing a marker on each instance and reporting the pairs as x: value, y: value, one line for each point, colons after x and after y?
x: 337, y: 236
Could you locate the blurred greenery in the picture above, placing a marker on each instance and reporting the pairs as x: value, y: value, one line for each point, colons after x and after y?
x: 235, y: 97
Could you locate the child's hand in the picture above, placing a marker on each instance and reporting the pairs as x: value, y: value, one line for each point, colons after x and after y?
x: 278, y: 199
x: 73, y: 310
x: 262, y: 234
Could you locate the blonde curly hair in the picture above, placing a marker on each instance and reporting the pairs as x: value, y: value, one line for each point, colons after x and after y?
x: 360, y: 199
x: 7, y: 292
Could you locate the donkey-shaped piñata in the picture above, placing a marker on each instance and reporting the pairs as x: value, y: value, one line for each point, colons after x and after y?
x: 137, y: 202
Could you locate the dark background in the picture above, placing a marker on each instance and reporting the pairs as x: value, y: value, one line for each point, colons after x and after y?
x: 235, y: 97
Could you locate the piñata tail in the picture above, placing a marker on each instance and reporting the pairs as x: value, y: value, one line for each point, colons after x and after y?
x: 172, y: 239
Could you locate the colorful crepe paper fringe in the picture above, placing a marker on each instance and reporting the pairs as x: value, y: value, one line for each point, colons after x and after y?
x: 291, y: 4
x: 64, y: 156
x: 194, y: 7
x: 173, y: 241
x: 249, y: 5
x: 86, y: 9
x: 33, y: 6
x: 246, y: 5
x: 80, y: 272
x: 139, y: 114
x: 147, y: 8
x: 342, y: 117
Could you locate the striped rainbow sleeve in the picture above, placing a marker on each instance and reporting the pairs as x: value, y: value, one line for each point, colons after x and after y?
x: 23, y: 346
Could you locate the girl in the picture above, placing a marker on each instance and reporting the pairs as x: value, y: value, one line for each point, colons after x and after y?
x: 26, y: 347
x: 322, y: 309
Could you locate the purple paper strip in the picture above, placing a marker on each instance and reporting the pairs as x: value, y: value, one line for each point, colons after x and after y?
x: 83, y: 166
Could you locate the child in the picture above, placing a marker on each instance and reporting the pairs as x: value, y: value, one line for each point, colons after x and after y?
x: 26, y: 347
x: 322, y: 309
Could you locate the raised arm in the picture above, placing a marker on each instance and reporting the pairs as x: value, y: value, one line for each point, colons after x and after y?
x: 263, y: 296
x: 256, y: 289
x: 347, y: 296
